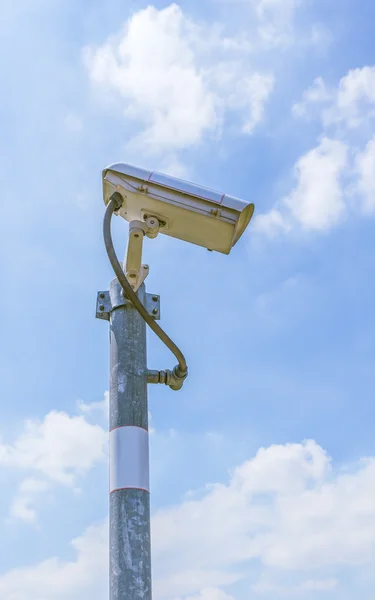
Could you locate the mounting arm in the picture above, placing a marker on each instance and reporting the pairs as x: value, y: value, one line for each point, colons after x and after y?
x: 175, y: 378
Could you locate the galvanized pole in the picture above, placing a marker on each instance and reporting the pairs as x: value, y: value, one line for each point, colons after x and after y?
x: 129, y: 533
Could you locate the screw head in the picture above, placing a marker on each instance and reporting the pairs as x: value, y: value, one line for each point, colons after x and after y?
x: 155, y: 298
x: 101, y: 307
x: 102, y: 295
x: 155, y: 311
x: 145, y: 267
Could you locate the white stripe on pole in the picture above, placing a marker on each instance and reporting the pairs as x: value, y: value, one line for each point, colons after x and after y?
x: 128, y: 459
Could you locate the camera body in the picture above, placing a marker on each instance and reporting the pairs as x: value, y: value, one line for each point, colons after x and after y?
x: 184, y: 210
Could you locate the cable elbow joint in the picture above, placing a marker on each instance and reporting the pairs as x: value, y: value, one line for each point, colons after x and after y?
x: 174, y: 379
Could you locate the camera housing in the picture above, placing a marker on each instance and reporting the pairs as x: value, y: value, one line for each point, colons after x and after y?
x: 184, y: 210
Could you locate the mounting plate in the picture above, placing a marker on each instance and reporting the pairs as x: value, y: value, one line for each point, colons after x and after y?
x: 104, y: 306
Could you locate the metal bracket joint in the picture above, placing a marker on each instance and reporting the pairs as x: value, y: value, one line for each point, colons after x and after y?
x: 104, y: 305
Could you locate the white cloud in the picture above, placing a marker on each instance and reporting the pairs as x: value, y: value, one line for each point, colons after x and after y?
x: 102, y: 406
x: 355, y: 99
x: 318, y: 200
x: 282, y: 468
x: 365, y: 169
x: 283, y: 9
x: 286, y: 508
x: 281, y: 25
x: 178, y: 79
x: 60, y: 447
x: 85, y: 577
x: 310, y: 585
x: 276, y: 20
x: 252, y: 96
x: 210, y: 594
x: 173, y: 166
x: 271, y: 223
x: 350, y: 103
x: 28, y: 494
x: 338, y: 174
x: 316, y: 94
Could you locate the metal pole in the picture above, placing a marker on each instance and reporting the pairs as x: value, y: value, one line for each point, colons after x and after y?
x: 129, y: 528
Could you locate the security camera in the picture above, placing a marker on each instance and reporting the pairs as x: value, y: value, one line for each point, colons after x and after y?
x: 183, y: 210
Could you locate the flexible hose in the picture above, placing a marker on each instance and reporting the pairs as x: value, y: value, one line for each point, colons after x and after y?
x: 130, y: 293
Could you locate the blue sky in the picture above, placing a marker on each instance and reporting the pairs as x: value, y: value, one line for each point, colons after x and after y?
x: 263, y: 466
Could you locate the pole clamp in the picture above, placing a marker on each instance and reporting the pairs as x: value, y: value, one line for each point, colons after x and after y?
x: 104, y: 304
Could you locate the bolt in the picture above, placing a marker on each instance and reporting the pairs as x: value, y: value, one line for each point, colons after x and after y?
x: 101, y: 307
x: 155, y: 311
x: 155, y: 298
x: 102, y: 295
x: 152, y: 222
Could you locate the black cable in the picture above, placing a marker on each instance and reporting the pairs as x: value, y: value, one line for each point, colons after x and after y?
x: 130, y: 293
